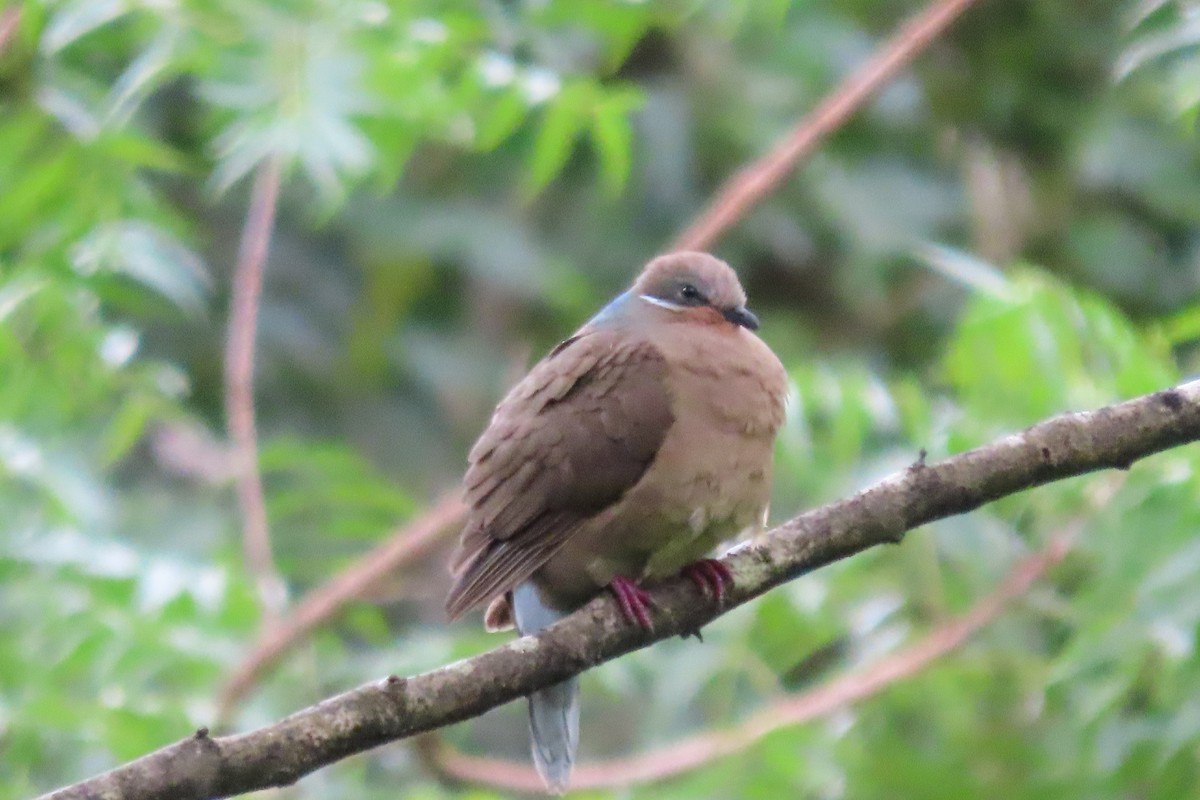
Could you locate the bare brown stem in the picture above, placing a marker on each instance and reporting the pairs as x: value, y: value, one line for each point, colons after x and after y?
x: 239, y: 386
x: 10, y: 20
x: 755, y: 181
x: 410, y: 542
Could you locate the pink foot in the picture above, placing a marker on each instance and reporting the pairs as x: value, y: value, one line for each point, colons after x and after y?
x: 711, y: 577
x: 633, y: 600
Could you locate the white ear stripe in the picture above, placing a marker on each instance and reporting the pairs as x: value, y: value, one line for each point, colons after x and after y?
x: 658, y: 301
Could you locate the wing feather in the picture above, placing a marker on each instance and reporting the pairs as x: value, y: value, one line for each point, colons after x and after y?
x: 568, y: 441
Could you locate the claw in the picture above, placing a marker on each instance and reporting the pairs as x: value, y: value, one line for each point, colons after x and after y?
x: 711, y: 577
x: 634, y: 601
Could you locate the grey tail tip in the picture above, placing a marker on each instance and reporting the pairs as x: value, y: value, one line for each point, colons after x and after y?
x: 555, y: 775
x: 554, y: 725
x: 557, y: 786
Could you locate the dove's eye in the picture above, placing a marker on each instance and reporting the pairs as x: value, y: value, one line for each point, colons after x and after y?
x: 691, y: 295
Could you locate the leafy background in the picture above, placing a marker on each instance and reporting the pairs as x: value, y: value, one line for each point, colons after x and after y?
x: 1009, y: 231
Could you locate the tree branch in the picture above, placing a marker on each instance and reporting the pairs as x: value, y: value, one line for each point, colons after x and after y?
x: 781, y: 712
x: 785, y: 711
x: 1072, y: 444
x: 752, y: 183
x: 321, y: 604
x: 239, y: 385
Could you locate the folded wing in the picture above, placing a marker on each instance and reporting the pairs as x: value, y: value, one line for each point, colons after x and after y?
x: 567, y: 442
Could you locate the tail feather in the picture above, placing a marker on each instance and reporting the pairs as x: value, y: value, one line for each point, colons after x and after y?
x: 553, y: 711
x: 554, y: 730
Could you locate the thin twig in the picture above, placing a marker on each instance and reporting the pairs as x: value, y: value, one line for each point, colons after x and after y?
x: 10, y: 20
x: 755, y: 181
x: 239, y: 385
x: 202, y: 766
x: 405, y: 545
x: 786, y: 711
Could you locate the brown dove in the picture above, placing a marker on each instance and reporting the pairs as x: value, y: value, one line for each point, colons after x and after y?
x: 624, y: 455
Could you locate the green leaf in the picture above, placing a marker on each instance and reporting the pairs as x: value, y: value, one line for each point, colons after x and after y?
x: 149, y: 255
x: 142, y: 151
x: 558, y: 133
x: 1183, y: 326
x: 127, y: 426
x: 1183, y: 34
x: 499, y: 120
x: 76, y: 19
x: 613, y: 136
x: 1045, y: 348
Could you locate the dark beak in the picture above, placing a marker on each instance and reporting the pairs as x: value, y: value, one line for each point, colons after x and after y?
x: 741, y: 316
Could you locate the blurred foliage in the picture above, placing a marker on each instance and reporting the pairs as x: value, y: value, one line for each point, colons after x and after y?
x: 1008, y: 232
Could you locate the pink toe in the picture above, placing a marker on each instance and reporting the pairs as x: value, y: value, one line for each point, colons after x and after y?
x: 633, y: 600
x: 711, y: 577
